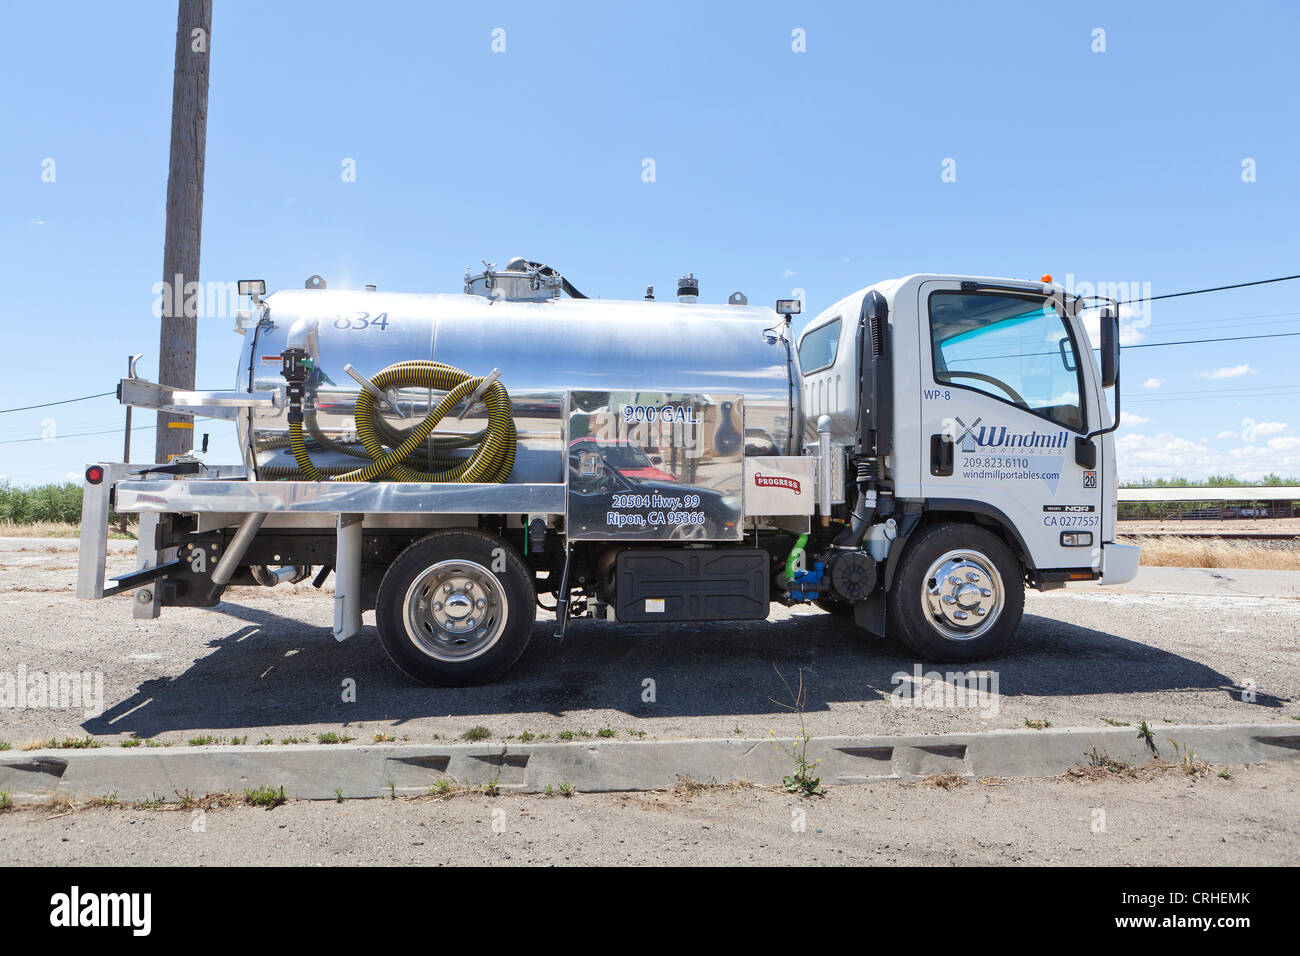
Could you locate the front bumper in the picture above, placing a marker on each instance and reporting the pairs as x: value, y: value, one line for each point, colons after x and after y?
x: 1119, y: 562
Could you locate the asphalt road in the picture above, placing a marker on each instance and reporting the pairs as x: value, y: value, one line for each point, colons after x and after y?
x: 1178, y: 646
x: 1248, y: 819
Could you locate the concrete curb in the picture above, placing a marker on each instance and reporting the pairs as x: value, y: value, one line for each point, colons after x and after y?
x: 315, y: 772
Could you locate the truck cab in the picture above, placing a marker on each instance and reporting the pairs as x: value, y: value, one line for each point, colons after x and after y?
x: 991, y: 421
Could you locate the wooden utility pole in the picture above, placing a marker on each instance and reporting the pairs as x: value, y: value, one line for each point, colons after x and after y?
x: 177, y: 339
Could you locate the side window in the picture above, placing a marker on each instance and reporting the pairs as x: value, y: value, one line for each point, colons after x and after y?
x: 818, y: 348
x: 1019, y: 350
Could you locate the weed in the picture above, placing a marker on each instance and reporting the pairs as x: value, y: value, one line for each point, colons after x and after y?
x: 606, y: 732
x: 265, y: 741
x: 268, y: 797
x: 338, y: 794
x: 153, y: 803
x: 4, y: 745
x: 1116, y: 723
x: 202, y: 741
x: 6, y: 800
x: 476, y: 733
x: 635, y: 733
x: 329, y: 737
x: 1186, y: 760
x: 1145, y: 734
x: 527, y: 736
x: 1101, y: 763
x: 802, y: 780
x: 383, y: 739
x: 566, y: 789
x: 1037, y: 724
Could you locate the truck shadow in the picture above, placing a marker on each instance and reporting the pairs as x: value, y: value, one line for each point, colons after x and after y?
x: 275, y: 672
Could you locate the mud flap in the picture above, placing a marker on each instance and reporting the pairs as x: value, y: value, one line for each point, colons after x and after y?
x: 869, y: 614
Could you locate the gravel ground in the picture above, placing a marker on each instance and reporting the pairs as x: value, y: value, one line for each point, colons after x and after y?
x: 1177, y: 646
x: 1249, y: 819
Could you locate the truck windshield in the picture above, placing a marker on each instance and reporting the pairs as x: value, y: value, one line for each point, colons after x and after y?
x: 1016, y: 349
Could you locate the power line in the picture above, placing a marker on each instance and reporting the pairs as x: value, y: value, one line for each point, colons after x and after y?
x: 110, y: 431
x: 66, y: 401
x: 1217, y: 288
x: 1230, y: 338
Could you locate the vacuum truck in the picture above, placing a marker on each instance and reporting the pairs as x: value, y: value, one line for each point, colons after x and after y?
x: 926, y: 450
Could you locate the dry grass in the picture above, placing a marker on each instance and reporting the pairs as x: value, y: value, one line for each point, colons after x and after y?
x: 58, y: 529
x: 943, y: 781
x: 686, y: 788
x: 1102, y: 766
x: 1179, y: 552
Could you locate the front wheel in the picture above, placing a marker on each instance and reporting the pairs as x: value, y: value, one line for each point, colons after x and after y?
x: 456, y: 608
x: 959, y: 593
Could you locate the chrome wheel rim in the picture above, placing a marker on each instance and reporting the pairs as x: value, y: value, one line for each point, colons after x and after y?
x: 455, y: 611
x: 962, y: 595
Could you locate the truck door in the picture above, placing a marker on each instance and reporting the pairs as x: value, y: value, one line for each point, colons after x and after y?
x: 1004, y: 396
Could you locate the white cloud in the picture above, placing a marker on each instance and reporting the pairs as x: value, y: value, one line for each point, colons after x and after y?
x: 788, y: 273
x: 1168, y: 456
x: 1131, y: 324
x: 1154, y: 382
x: 1228, y: 434
x: 1131, y: 418
x: 1252, y: 430
x: 1230, y: 371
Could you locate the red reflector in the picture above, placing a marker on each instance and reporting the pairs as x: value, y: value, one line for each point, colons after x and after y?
x: 94, y: 474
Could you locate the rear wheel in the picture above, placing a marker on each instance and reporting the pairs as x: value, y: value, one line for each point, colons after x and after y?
x: 959, y: 593
x: 456, y: 608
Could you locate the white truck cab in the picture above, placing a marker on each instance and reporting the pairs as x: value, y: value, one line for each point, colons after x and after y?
x: 998, y: 415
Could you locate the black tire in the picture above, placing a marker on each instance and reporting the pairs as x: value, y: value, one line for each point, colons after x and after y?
x: 935, y: 635
x: 461, y: 564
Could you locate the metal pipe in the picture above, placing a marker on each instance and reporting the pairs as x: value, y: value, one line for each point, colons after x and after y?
x: 239, y: 544
x: 824, y: 468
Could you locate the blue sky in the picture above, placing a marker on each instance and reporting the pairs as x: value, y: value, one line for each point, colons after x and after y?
x: 775, y: 170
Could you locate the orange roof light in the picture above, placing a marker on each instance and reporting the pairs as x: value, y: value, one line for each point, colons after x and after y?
x: 1047, y: 277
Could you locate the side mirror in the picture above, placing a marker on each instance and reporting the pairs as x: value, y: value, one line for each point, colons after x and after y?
x: 1109, y: 347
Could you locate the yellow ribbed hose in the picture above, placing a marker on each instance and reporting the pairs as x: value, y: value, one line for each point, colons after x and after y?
x: 491, y: 461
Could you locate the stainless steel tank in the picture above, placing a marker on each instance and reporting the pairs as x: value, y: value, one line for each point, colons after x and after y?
x: 542, y: 348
